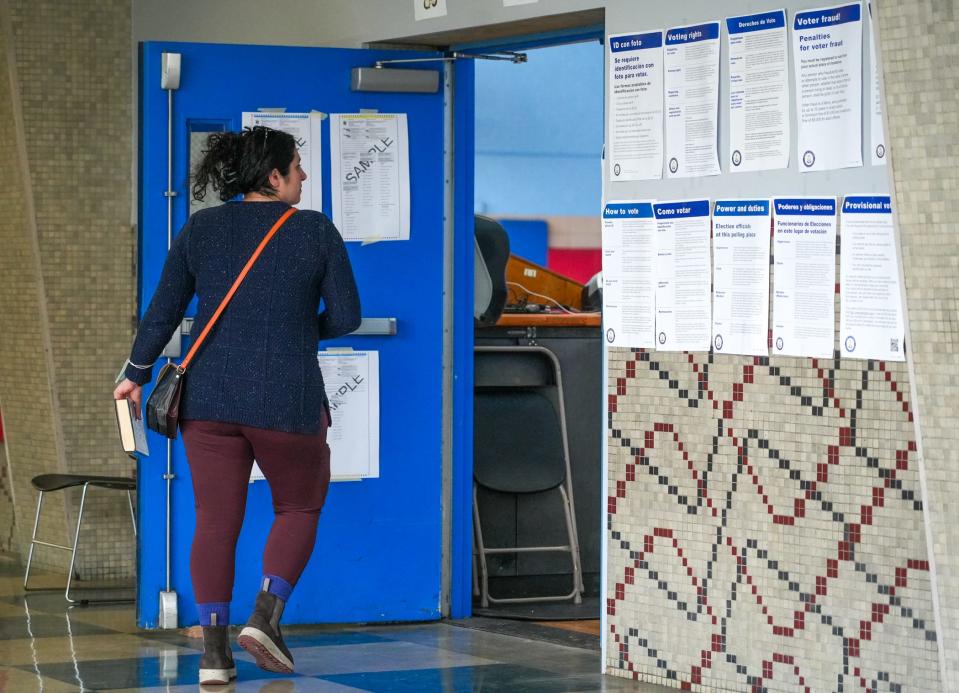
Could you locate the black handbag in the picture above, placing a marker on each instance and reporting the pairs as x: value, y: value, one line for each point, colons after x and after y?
x: 163, y: 405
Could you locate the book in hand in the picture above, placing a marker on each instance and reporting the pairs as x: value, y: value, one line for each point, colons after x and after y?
x: 133, y: 437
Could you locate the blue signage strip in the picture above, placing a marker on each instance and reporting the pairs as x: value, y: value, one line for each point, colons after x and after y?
x: 636, y: 42
x: 806, y: 206
x: 831, y: 16
x: 691, y: 34
x: 741, y: 208
x: 633, y: 210
x: 682, y: 210
x: 756, y: 22
x: 871, y: 204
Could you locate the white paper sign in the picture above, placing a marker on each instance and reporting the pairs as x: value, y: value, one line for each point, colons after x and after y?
x: 870, y: 315
x: 877, y: 133
x: 804, y: 301
x: 629, y: 279
x: 741, y: 230
x: 758, y: 92
x: 306, y: 129
x: 352, y: 380
x: 827, y: 58
x: 428, y: 9
x: 635, y: 64
x: 691, y: 65
x: 683, y: 295
x: 370, y: 170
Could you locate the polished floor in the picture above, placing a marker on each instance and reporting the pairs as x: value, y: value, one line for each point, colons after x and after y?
x: 45, y: 646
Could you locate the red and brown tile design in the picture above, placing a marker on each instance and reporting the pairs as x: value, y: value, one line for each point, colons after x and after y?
x: 765, y: 526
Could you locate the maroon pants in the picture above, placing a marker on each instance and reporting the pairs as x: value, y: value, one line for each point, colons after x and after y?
x: 297, y: 467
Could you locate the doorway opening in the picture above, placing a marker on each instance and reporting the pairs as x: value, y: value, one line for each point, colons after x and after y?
x: 537, y: 175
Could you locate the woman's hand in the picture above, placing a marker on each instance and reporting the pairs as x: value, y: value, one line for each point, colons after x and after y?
x: 131, y: 391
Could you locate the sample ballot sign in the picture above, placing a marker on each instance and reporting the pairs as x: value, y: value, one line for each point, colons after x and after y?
x: 629, y: 280
x: 741, y: 276
x: 370, y: 170
x: 827, y: 59
x: 870, y: 315
x: 683, y: 293
x: 758, y: 92
x: 804, y: 300
x: 692, y: 100
x: 636, y: 106
x: 352, y: 380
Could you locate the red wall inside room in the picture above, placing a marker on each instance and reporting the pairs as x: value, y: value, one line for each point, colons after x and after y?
x: 579, y: 264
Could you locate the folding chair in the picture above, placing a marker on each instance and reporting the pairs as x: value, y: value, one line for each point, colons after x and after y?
x: 520, y: 447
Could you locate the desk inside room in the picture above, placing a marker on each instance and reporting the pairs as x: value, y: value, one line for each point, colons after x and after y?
x: 575, y: 339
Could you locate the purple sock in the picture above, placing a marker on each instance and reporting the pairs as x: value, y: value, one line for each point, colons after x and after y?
x: 214, y: 613
x: 274, y: 584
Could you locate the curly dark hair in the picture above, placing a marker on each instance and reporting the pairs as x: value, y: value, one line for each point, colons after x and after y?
x: 237, y: 163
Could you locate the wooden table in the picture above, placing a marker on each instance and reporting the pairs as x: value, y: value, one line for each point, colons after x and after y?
x: 550, y: 320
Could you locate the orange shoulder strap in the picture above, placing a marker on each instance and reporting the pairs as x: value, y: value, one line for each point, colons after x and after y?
x: 236, y: 285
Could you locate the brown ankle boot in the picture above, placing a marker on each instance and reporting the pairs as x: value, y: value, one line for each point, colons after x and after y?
x: 262, y: 638
x: 216, y: 664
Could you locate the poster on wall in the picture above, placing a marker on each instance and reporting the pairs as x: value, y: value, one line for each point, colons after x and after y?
x: 758, y: 92
x: 827, y: 60
x: 876, y: 130
x: 741, y: 276
x: 683, y: 293
x: 635, y: 64
x: 306, y: 129
x: 691, y: 65
x: 370, y: 172
x: 871, y: 323
x: 629, y: 279
x: 804, y: 282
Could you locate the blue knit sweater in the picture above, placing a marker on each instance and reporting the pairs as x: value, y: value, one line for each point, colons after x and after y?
x: 258, y: 365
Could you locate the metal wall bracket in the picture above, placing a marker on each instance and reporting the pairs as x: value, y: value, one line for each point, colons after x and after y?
x: 376, y: 326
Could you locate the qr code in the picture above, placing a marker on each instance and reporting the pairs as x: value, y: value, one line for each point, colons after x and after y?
x: 894, y: 345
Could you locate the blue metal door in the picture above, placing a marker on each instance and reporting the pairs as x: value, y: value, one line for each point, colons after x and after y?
x: 379, y: 551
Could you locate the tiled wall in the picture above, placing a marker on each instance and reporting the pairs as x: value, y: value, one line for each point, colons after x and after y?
x: 767, y: 517
x: 765, y: 525
x: 921, y: 64
x: 25, y: 379
x: 73, y: 67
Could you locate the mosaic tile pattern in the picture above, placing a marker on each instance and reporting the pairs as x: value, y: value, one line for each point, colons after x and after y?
x: 76, y: 110
x: 25, y: 380
x: 765, y: 525
x: 920, y: 58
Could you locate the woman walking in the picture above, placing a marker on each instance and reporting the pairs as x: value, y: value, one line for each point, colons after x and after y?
x: 255, y: 388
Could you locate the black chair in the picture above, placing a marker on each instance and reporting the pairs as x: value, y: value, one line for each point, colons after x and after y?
x: 520, y: 447
x: 493, y: 243
x: 46, y: 483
